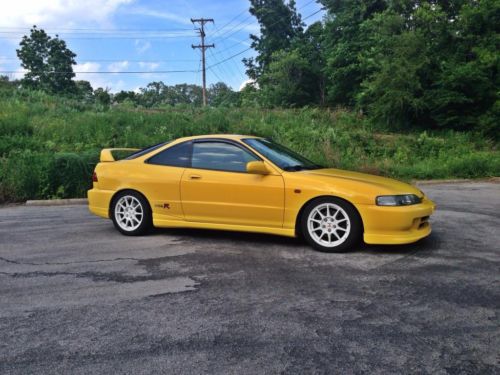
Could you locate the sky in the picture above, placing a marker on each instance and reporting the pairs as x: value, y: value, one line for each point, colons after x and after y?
x: 112, y: 37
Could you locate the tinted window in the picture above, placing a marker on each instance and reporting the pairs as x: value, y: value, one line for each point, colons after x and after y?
x: 175, y: 156
x: 220, y: 156
x: 146, y: 150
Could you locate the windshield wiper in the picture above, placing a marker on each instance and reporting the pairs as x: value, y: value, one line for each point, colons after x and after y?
x: 298, y: 167
x: 318, y: 166
x: 294, y: 168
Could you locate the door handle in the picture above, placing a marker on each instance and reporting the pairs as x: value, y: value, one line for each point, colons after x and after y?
x: 195, y: 177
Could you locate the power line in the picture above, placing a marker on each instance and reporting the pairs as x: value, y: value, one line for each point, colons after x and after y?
x: 100, y: 72
x: 221, y: 71
x: 114, y: 60
x: 232, y: 19
x: 162, y: 71
x: 241, y: 52
x: 96, y: 30
x: 216, y: 75
x: 237, y: 68
x: 230, y: 57
x: 231, y: 46
x: 216, y: 37
x: 313, y: 14
x: 115, y: 37
x: 153, y: 33
x: 248, y: 24
x: 248, y: 39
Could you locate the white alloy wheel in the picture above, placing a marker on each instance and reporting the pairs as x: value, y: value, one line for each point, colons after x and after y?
x: 328, y: 225
x: 129, y: 213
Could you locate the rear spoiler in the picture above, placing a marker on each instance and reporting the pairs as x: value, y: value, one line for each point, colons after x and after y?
x: 107, y: 153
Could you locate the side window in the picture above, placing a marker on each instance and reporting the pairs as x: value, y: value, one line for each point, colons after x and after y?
x: 175, y: 156
x: 220, y: 156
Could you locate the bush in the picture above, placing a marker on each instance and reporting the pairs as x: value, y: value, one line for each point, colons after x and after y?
x: 34, y: 175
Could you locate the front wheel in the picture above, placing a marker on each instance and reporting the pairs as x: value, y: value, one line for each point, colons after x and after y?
x: 331, y: 225
x: 131, y: 214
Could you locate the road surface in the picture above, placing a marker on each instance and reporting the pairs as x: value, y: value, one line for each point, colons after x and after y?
x: 77, y: 297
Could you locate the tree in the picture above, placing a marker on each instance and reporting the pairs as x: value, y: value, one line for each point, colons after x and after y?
x: 102, y: 96
x: 157, y: 93
x: 466, y: 91
x: 185, y: 94
x: 433, y: 65
x: 5, y: 82
x: 48, y: 61
x: 311, y: 47
x: 288, y: 81
x: 220, y: 94
x: 279, y: 24
x: 125, y: 95
x: 84, y: 90
x: 249, y: 95
x: 344, y: 42
x: 153, y: 94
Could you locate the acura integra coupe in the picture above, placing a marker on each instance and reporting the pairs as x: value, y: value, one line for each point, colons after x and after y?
x: 252, y: 184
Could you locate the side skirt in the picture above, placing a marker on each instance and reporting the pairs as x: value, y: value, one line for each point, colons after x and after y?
x: 162, y: 223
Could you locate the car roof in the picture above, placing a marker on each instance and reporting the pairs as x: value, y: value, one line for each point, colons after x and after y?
x: 220, y: 136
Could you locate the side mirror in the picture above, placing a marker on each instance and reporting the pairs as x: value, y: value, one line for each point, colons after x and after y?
x: 257, y: 167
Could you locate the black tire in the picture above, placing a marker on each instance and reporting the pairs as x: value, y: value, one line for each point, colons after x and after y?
x: 141, y: 224
x: 319, y: 234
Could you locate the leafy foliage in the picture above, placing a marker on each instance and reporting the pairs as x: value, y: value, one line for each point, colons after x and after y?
x: 287, y: 81
x: 48, y: 61
x: 50, y: 144
x: 407, y: 64
x: 280, y: 24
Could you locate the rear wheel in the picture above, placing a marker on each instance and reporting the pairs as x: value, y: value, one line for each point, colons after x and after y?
x: 131, y: 213
x: 331, y: 225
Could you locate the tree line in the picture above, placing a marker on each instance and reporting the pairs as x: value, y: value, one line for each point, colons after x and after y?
x: 402, y: 63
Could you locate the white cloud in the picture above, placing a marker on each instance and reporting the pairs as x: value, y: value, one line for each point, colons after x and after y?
x: 142, y: 46
x: 116, y: 86
x: 18, y: 73
x: 58, y: 13
x: 106, y: 81
x: 86, y: 67
x: 249, y: 82
x: 149, y: 65
x: 146, y: 12
x: 119, y: 66
x: 84, y: 74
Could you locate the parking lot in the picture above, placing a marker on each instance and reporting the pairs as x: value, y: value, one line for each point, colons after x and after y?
x: 78, y: 297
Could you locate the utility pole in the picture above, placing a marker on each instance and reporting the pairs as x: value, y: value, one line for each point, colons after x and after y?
x: 203, y: 47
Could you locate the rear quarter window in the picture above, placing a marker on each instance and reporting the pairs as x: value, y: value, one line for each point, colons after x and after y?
x: 174, y: 156
x: 146, y: 150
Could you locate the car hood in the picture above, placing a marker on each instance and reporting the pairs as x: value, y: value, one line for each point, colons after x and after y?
x: 382, y: 185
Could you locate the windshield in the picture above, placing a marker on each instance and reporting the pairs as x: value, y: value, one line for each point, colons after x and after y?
x: 284, y: 158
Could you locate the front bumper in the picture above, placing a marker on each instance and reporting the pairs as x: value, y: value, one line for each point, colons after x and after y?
x: 99, y: 201
x: 385, y: 225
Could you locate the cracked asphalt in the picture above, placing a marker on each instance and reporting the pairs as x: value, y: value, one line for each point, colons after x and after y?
x: 76, y: 297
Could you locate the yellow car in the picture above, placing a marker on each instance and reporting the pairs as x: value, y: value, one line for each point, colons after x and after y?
x: 252, y: 184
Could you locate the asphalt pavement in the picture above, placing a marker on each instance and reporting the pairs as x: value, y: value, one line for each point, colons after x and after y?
x: 77, y: 297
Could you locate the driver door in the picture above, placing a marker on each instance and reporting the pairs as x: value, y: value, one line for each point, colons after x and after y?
x: 217, y: 188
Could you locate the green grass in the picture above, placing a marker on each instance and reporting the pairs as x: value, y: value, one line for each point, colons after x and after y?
x: 49, y: 146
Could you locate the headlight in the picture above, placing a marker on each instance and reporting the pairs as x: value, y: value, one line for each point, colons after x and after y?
x: 397, y: 200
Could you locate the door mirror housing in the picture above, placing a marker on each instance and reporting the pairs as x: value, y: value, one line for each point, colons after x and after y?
x: 257, y: 167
